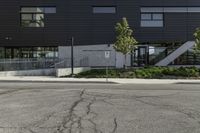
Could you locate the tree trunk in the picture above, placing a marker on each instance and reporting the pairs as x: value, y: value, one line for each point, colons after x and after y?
x: 125, y: 67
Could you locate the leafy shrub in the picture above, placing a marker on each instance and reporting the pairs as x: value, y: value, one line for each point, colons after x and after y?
x: 98, y: 73
x: 182, y: 71
x: 148, y: 72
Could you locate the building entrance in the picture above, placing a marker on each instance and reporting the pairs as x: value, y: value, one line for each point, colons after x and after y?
x: 140, y: 56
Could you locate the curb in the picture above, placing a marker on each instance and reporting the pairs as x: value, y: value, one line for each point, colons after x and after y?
x: 45, y: 81
x: 97, y: 81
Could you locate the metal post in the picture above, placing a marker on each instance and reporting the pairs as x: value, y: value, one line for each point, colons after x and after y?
x: 107, y: 57
x: 72, y: 56
x: 107, y: 72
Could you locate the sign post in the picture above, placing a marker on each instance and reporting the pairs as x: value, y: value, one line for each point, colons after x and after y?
x: 72, y: 56
x: 107, y: 56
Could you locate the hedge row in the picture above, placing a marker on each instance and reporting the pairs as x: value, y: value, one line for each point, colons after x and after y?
x: 149, y: 72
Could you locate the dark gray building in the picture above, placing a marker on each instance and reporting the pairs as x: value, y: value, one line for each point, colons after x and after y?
x: 31, y: 28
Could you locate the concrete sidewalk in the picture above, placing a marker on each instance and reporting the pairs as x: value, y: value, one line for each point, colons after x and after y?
x: 95, y: 80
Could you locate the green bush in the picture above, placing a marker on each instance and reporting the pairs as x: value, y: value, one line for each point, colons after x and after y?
x: 150, y: 72
x: 147, y: 72
x: 98, y: 73
x: 182, y: 71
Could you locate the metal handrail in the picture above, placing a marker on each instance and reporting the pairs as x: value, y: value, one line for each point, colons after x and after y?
x: 32, y: 63
x: 26, y: 64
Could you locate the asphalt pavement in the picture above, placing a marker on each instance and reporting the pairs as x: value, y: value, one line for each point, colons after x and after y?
x: 99, y: 108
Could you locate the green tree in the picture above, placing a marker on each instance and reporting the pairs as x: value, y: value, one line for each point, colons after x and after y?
x: 125, y: 42
x: 197, y: 40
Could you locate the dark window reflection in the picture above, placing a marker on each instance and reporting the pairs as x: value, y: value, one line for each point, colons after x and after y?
x: 29, y: 52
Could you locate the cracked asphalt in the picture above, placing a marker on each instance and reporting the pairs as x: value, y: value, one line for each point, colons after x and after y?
x: 99, y: 108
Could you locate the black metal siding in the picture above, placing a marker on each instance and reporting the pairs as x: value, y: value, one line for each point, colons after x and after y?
x: 75, y: 18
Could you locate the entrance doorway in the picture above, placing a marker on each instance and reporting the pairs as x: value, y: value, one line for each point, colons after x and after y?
x: 140, y: 56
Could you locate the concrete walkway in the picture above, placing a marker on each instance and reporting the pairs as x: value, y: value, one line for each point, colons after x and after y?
x: 95, y: 80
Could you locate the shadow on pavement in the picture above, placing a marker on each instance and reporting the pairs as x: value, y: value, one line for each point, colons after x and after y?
x: 188, y: 83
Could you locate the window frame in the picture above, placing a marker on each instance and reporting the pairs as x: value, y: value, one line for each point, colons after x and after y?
x: 32, y: 19
x: 32, y: 13
x: 152, y: 20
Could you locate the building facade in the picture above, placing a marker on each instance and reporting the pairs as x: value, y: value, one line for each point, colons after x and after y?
x: 35, y: 28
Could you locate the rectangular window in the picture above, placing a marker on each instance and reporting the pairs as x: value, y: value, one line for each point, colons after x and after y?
x: 111, y: 10
x: 32, y: 20
x: 28, y: 52
x: 32, y: 10
x: 146, y: 16
x: 49, y: 10
x: 38, y: 10
x: 157, y: 17
x: 34, y: 16
x: 152, y: 20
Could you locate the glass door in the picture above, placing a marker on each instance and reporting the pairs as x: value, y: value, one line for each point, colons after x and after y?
x: 8, y: 53
x: 141, y: 56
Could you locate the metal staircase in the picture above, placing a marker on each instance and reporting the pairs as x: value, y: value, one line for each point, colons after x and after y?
x: 175, y: 54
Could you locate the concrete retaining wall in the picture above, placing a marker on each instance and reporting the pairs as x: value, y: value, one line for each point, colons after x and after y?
x: 39, y: 72
x: 96, y: 55
x: 44, y: 72
x: 67, y: 71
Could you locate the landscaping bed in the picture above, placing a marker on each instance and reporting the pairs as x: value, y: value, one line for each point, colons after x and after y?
x: 147, y: 73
